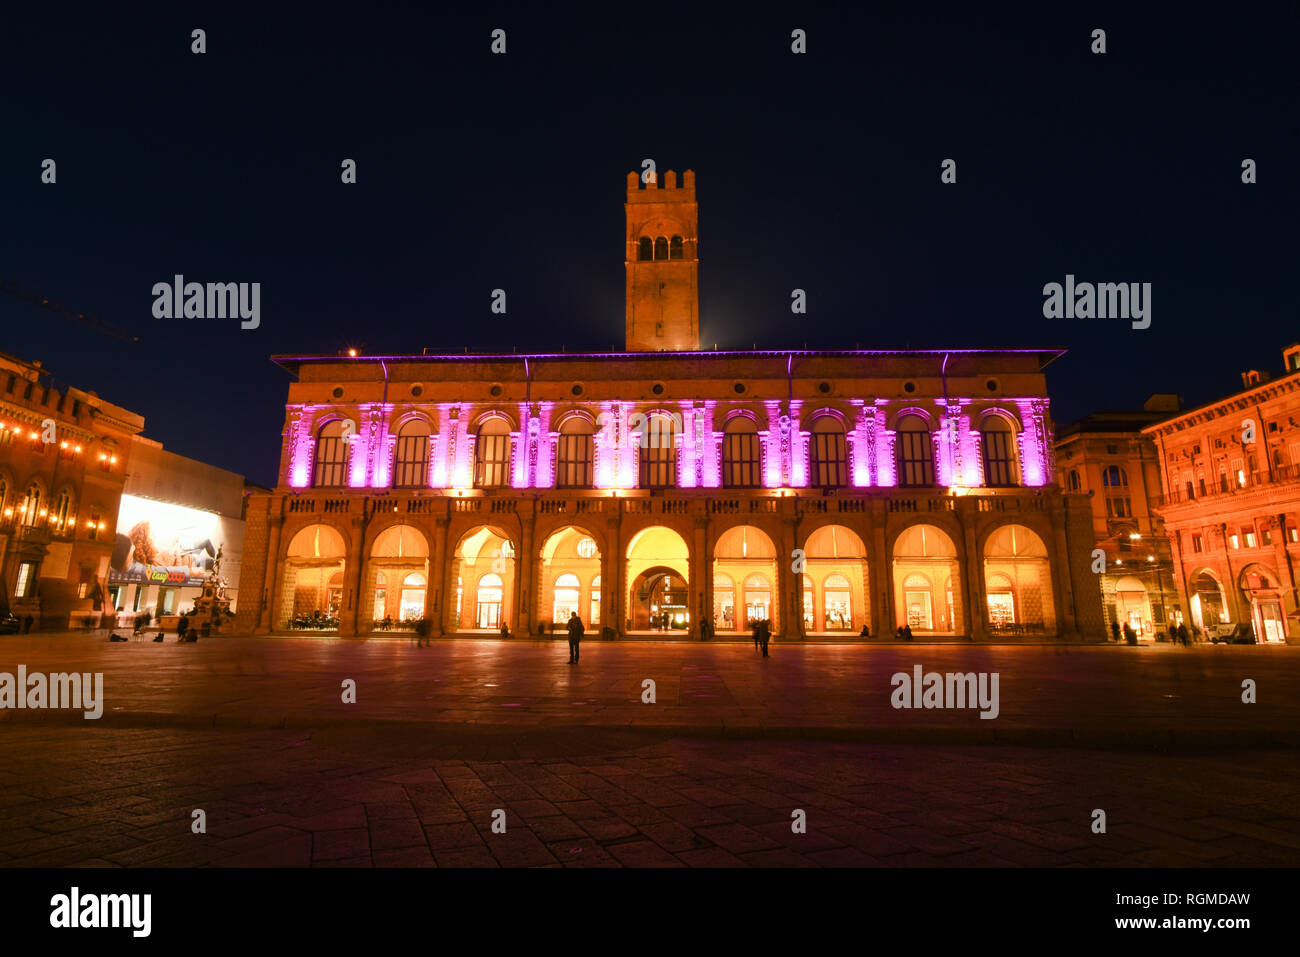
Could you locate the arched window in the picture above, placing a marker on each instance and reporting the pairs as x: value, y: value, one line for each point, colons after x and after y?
x: 381, y: 597
x: 595, y: 601
x: 331, y: 456
x: 676, y: 250
x: 758, y: 600
x: 492, y: 454
x: 915, y: 452
x: 659, y: 453
x: 1075, y: 483
x: 62, y: 521
x: 574, y: 454
x: 411, y: 465
x: 838, y: 601
x: 568, y: 597
x: 661, y: 248
x: 740, y: 456
x: 1115, y: 482
x: 645, y: 249
x: 724, y: 603
x: 30, y: 512
x: 490, y: 593
x: 413, y: 587
x: 917, y: 603
x: 998, y: 441
x: 829, y: 453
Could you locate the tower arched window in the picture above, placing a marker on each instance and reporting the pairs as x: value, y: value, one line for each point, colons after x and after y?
x: 915, y: 452
x: 331, y: 456
x: 1075, y: 483
x: 1115, y: 482
x: 658, y: 452
x: 828, y: 458
x: 740, y: 455
x: 645, y: 249
x: 411, y: 462
x: 661, y: 248
x: 573, y: 456
x: 998, y: 441
x: 492, y: 454
x: 676, y: 248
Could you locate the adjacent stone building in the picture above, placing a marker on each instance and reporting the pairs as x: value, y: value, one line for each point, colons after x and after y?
x: 1231, y: 504
x: 1107, y: 457
x: 64, y: 456
x: 669, y: 490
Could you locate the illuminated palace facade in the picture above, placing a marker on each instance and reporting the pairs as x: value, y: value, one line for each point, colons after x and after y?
x: 669, y: 490
x: 1231, y: 504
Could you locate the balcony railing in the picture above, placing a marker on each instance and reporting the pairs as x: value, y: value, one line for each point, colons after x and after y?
x: 664, y: 502
x: 1281, y: 475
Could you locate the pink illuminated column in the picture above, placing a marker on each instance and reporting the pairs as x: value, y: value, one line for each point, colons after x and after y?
x: 605, y: 451
x: 360, y: 448
x: 1033, y: 441
x: 706, y: 446
x: 886, y: 473
x: 775, y: 446
x: 968, y: 451
x: 631, y: 428
x: 300, y: 447
x: 460, y: 453
x: 541, y: 471
x: 687, y: 471
x: 521, y: 443
x: 858, y: 447
x: 795, y: 465
x: 443, y: 447
x: 947, y: 444
x: 385, y: 439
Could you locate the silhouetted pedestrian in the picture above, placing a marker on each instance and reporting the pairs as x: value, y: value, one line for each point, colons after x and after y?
x: 764, y: 634
x: 1129, y: 634
x: 1114, y: 631
x: 907, y: 632
x: 864, y: 633
x: 575, y: 637
x: 1184, y: 636
x: 27, y: 624
x: 754, y: 630
x: 182, y: 627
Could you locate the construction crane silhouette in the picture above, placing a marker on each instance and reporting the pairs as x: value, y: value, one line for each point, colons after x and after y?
x: 95, y: 323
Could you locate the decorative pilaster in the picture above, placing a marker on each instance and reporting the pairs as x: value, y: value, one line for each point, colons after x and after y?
x: 887, y: 474
x: 688, y: 471
x: 1033, y: 442
x: 795, y: 460
x: 859, y: 473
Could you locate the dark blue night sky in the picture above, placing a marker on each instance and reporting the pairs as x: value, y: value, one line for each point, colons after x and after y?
x: 478, y: 171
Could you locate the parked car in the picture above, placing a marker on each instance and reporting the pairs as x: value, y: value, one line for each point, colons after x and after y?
x: 1239, y: 634
x: 10, y: 625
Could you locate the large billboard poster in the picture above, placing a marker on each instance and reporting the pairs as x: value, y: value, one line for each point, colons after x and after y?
x: 159, y: 543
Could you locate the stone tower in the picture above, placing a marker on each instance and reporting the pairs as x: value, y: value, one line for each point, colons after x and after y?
x: 663, y: 266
